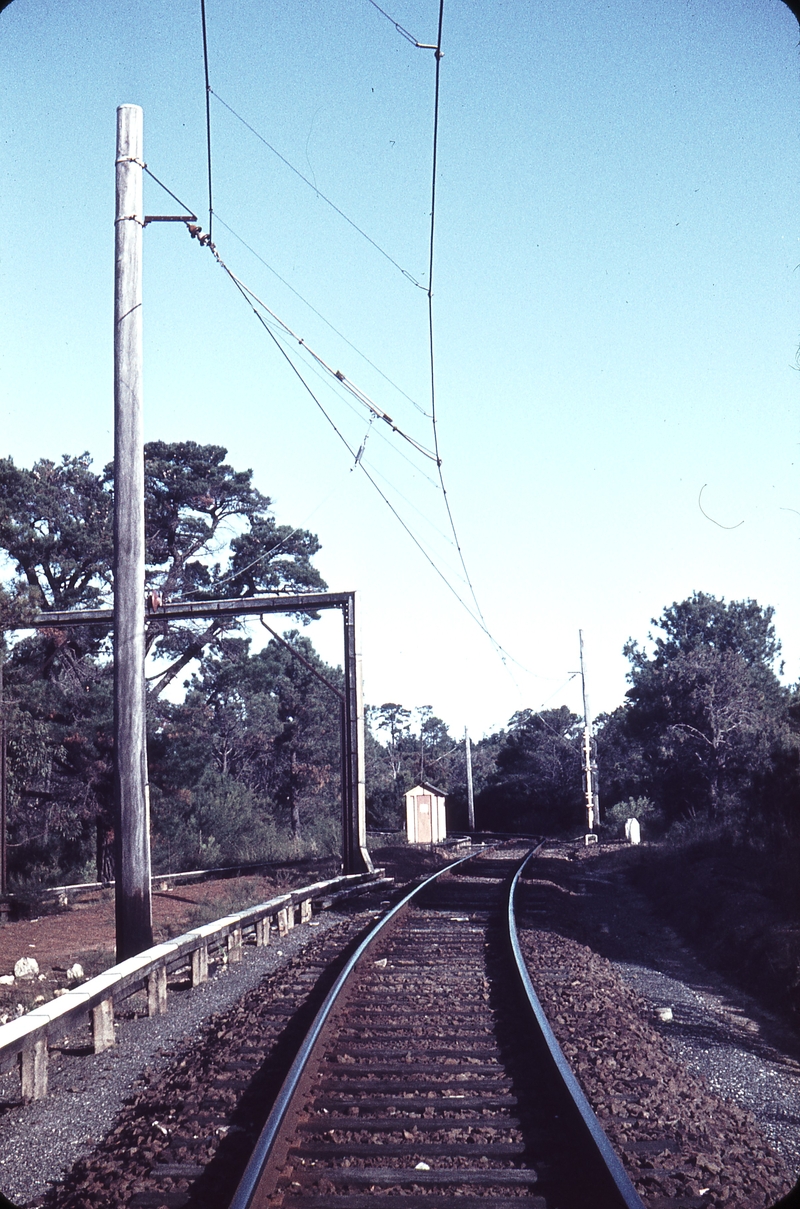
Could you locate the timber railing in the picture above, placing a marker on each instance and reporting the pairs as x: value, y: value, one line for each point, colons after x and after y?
x: 187, y: 957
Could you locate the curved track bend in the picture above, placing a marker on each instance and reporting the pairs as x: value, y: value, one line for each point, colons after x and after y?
x: 430, y: 1077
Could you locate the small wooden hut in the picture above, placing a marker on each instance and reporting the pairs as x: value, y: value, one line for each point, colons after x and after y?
x: 425, y: 817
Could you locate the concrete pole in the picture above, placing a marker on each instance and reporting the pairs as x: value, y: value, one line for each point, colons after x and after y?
x: 132, y: 822
x: 470, y: 794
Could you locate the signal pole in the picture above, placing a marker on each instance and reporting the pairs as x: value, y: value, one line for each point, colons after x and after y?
x: 131, y: 804
x: 588, y: 761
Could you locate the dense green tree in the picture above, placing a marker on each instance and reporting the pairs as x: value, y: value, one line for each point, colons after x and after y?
x: 406, y: 756
x: 705, y: 705
x: 536, y: 786
x: 210, y: 533
x: 264, y: 721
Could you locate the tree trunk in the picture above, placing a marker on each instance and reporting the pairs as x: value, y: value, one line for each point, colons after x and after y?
x: 104, y: 852
x: 294, y: 805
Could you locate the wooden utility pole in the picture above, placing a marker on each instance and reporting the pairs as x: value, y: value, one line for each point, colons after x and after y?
x: 470, y: 794
x: 355, y: 857
x: 132, y: 821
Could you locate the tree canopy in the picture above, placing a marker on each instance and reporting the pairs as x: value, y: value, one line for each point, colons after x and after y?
x: 210, y: 534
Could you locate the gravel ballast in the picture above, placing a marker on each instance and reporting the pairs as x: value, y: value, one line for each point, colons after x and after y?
x: 42, y: 1140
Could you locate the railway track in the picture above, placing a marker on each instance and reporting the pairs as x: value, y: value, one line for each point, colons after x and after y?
x: 429, y: 1075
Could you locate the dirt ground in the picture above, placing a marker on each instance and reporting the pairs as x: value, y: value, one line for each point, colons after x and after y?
x: 84, y: 933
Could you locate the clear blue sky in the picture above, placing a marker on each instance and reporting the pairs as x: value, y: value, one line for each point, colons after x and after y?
x: 617, y: 302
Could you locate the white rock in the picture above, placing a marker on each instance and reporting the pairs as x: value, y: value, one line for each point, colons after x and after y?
x: 664, y: 1014
x: 19, y: 1010
x: 7, y: 980
x: 75, y: 973
x: 26, y: 967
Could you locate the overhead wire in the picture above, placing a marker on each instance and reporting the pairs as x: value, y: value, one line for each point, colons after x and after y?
x: 208, y: 117
x: 326, y: 379
x: 432, y: 245
x: 246, y: 294
x: 319, y: 193
x: 319, y: 315
x: 348, y: 385
x: 252, y: 299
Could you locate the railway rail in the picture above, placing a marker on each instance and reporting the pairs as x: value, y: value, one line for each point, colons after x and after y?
x: 430, y: 1077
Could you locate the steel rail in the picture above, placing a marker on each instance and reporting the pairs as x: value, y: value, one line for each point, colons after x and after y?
x: 603, y: 1148
x: 248, y: 1186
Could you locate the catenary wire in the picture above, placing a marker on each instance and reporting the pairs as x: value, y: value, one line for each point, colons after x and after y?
x: 251, y: 298
x: 352, y: 452
x: 399, y: 452
x: 319, y: 315
x: 431, y: 346
x: 354, y: 390
x: 318, y: 192
x: 208, y: 117
x: 480, y: 620
x: 278, y: 336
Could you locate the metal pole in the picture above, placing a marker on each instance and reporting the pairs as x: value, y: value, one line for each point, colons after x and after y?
x: 355, y: 857
x: 132, y: 823
x: 470, y: 794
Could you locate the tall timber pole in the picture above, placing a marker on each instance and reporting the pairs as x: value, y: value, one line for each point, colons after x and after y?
x: 470, y: 793
x: 132, y: 822
x: 355, y: 857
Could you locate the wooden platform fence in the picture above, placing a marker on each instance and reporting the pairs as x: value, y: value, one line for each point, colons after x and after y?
x: 186, y: 958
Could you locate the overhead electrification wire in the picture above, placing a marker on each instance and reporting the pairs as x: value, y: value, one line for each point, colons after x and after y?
x: 319, y: 315
x: 349, y: 386
x: 278, y: 331
x: 208, y: 116
x: 318, y: 192
x: 434, y: 166
x: 246, y: 294
x: 252, y: 299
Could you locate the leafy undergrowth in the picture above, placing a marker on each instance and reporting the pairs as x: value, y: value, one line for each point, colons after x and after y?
x: 739, y: 908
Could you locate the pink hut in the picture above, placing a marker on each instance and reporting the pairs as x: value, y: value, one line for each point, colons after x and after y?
x: 425, y: 817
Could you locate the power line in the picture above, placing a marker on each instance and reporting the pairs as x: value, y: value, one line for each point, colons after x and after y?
x: 354, y: 390
x: 438, y: 49
x: 246, y: 294
x: 318, y: 192
x: 319, y: 315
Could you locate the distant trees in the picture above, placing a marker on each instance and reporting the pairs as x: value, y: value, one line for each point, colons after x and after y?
x: 249, y: 759
x: 706, y: 716
x: 536, y: 782
x: 405, y: 746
